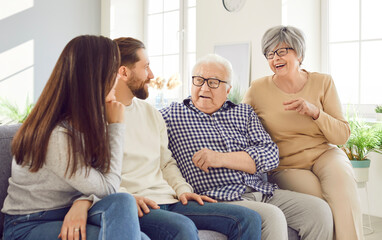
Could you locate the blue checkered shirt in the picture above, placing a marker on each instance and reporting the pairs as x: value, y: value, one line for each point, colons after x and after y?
x: 232, y: 128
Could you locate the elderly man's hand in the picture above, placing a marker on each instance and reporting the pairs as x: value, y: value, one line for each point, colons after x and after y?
x: 206, y: 158
x: 184, y: 197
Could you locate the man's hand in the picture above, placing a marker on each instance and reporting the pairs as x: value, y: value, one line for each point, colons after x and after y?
x: 303, y: 107
x: 206, y: 158
x: 75, y: 221
x: 184, y: 197
x: 143, y: 205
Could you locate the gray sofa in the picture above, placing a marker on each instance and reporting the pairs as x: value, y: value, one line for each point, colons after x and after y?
x: 6, y: 136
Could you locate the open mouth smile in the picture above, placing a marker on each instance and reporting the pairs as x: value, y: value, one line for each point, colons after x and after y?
x: 279, y: 66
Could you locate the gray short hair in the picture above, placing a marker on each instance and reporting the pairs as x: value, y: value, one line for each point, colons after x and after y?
x: 219, y: 60
x: 292, y: 36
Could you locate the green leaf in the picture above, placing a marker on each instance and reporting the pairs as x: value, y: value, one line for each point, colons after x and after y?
x: 12, y: 112
x: 235, y: 95
x: 363, y: 139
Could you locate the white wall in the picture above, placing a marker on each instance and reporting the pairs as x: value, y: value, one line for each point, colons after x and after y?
x: 216, y: 26
x: 123, y: 18
x: 306, y: 15
x: 38, y: 34
x: 372, y: 205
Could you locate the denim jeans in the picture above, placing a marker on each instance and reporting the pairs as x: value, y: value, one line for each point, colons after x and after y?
x: 178, y: 221
x: 114, y: 217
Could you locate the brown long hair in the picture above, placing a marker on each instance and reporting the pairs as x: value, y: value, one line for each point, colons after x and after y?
x: 75, y: 93
x: 128, y: 48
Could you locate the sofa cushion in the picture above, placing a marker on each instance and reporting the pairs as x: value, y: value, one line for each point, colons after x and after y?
x: 6, y: 135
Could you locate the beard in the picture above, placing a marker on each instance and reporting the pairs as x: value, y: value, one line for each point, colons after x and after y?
x: 137, y: 86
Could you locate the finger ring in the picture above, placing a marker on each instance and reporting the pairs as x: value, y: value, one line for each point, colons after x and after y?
x: 76, y: 229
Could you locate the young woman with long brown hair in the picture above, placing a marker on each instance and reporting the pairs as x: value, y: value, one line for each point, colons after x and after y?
x: 68, y: 154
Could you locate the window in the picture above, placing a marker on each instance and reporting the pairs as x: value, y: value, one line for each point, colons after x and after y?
x: 170, y: 41
x: 352, y: 46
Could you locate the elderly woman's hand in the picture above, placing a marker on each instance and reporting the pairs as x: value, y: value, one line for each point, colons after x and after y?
x: 303, y: 107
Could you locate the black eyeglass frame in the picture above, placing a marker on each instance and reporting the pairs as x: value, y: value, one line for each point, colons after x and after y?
x: 208, y: 82
x: 276, y: 52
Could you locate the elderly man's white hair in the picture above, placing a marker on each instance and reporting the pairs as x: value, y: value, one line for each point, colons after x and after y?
x: 219, y: 60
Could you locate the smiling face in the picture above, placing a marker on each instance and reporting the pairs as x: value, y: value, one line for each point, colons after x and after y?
x: 204, y: 98
x: 286, y: 65
x: 140, y: 76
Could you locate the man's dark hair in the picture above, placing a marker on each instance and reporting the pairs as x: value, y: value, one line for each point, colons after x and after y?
x: 128, y: 48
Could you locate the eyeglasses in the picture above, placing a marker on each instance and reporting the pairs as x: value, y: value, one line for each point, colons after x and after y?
x: 211, y: 82
x: 281, y: 52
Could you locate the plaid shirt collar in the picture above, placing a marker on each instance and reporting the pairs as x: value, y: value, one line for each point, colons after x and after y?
x: 226, y: 106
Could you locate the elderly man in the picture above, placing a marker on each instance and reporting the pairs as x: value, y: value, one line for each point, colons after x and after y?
x: 167, y: 206
x: 223, y: 151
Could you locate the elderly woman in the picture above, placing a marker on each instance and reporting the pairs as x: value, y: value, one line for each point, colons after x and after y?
x: 302, y: 113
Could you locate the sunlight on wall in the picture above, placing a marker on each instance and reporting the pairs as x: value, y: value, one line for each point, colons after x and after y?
x: 112, y: 18
x: 11, y: 7
x: 284, y: 12
x: 124, y: 18
x: 17, y: 74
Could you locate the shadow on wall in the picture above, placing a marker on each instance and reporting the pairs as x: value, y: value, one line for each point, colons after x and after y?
x: 34, y: 32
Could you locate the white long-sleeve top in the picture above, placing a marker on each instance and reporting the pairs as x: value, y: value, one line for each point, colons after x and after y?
x: 148, y: 168
x: 49, y: 188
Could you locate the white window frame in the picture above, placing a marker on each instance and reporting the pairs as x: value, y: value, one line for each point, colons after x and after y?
x: 184, y: 68
x: 365, y: 111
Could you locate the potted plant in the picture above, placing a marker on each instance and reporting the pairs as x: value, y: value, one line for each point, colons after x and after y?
x: 235, y: 95
x: 379, y: 136
x: 378, y: 110
x: 11, y: 112
x: 364, y: 138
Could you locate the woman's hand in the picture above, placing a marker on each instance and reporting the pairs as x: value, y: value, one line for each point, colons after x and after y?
x: 303, y: 107
x: 75, y: 221
x: 184, y: 197
x: 143, y: 205
x: 114, y: 111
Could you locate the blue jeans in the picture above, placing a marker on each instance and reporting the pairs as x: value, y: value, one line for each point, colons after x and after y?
x: 178, y: 221
x: 114, y: 217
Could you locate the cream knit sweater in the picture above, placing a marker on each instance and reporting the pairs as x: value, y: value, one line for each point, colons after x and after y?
x: 148, y: 169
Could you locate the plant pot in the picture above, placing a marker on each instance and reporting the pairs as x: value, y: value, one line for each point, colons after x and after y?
x: 361, y: 170
x: 379, y: 117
